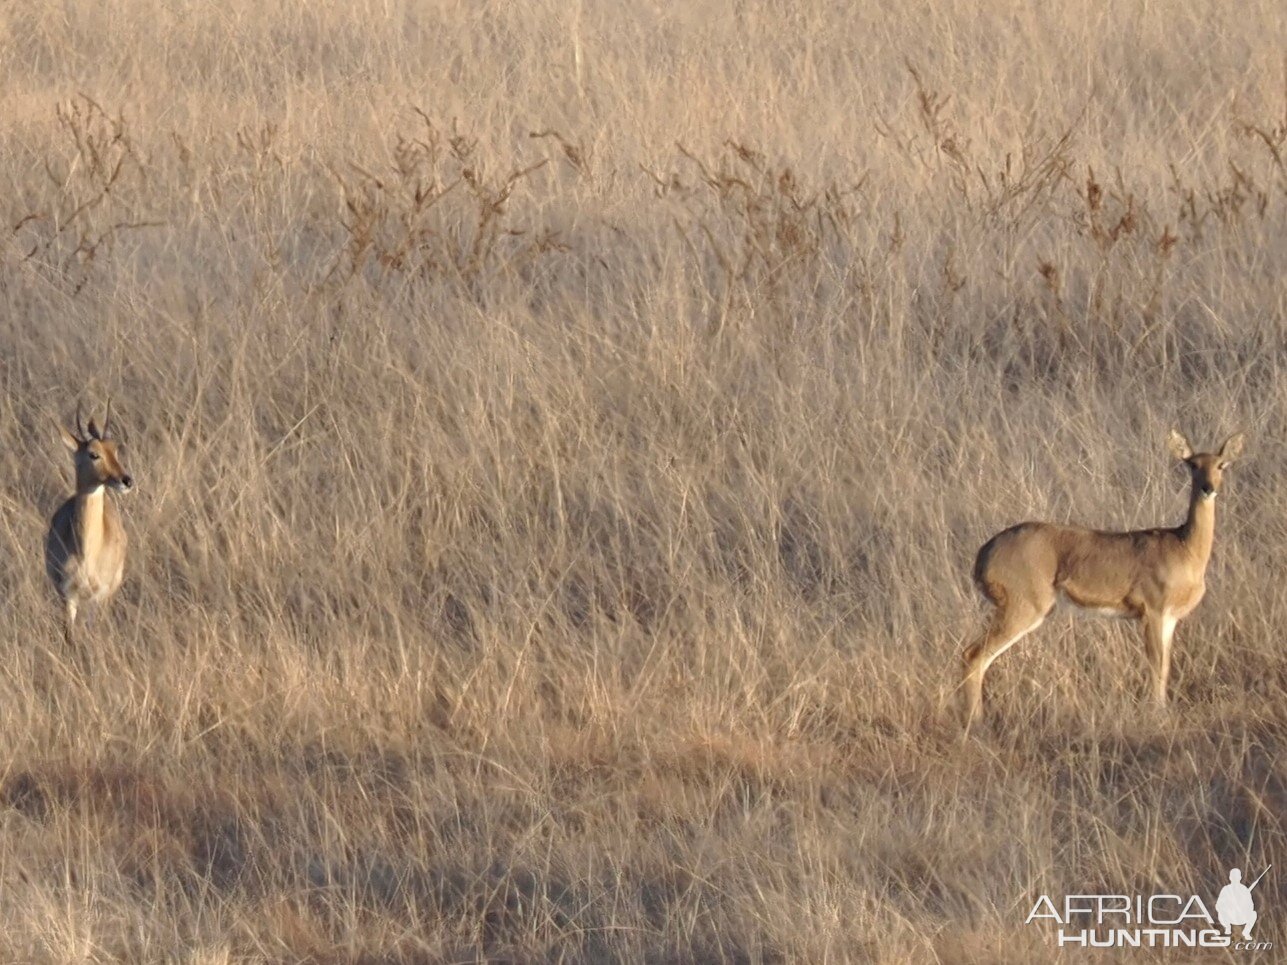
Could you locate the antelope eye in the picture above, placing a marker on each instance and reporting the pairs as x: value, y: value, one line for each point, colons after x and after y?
x: 93, y: 455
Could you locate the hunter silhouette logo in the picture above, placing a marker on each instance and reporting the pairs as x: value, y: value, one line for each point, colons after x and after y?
x: 1156, y: 921
x: 1235, y: 906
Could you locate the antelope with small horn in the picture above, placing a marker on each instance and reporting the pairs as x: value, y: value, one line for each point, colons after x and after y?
x: 1154, y: 576
x: 85, y: 548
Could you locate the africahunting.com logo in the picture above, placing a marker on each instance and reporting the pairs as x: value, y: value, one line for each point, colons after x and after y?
x: 1156, y: 921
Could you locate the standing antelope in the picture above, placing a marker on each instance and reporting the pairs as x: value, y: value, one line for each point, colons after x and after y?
x: 1156, y: 576
x: 85, y: 548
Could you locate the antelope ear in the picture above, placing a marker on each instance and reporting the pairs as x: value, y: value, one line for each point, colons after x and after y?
x: 1232, y: 447
x: 69, y: 440
x: 1178, y: 445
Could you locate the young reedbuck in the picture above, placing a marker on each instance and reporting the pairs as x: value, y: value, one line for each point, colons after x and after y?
x: 85, y: 548
x: 1155, y: 576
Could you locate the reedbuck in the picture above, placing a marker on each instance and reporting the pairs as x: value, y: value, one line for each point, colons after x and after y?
x: 1156, y: 576
x: 85, y: 548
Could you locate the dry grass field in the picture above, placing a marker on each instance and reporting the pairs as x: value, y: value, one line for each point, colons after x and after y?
x: 563, y: 432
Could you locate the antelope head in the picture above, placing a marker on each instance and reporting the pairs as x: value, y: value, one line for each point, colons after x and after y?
x: 99, y: 458
x: 1206, y: 468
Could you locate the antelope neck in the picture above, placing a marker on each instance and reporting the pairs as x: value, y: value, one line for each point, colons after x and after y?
x: 1198, y: 531
x: 89, y: 520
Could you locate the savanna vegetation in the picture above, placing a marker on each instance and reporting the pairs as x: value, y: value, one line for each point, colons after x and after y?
x: 562, y: 434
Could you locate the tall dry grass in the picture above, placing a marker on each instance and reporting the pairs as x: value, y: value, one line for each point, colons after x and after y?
x: 563, y: 434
